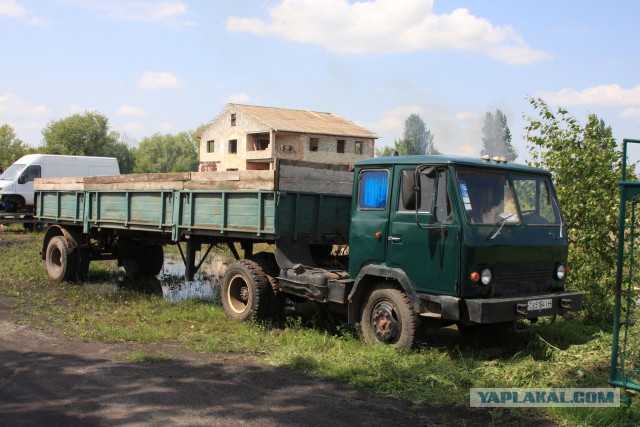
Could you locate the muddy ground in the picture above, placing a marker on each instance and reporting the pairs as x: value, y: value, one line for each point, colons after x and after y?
x: 47, y: 379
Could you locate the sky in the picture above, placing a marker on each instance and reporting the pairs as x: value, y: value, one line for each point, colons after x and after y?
x: 169, y: 66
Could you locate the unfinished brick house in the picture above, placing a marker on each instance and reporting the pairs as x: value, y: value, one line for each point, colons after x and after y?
x: 247, y: 137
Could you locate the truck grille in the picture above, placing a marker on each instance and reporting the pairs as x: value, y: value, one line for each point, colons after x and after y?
x: 520, y: 278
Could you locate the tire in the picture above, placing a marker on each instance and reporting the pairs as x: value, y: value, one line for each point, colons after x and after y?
x: 143, y: 261
x: 245, y: 291
x: 277, y: 300
x: 156, y: 254
x: 388, y: 318
x: 60, y: 260
x: 83, y: 261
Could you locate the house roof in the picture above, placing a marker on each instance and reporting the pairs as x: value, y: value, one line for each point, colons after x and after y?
x: 303, y: 121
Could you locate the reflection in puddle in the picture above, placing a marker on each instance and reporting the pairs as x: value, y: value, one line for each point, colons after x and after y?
x: 171, y: 280
x: 205, y: 285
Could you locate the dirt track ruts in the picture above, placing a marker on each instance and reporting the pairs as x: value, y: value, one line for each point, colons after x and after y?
x: 46, y: 379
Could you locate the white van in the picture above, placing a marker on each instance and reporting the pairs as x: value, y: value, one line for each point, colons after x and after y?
x: 16, y: 183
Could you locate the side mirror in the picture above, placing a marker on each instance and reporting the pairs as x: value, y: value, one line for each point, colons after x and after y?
x: 428, y: 171
x: 22, y: 179
x: 410, y: 195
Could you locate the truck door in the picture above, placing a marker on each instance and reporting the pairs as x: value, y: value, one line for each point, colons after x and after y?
x: 427, y: 249
x: 369, y: 218
x: 26, y: 181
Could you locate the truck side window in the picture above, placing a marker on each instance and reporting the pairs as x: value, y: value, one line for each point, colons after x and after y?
x: 426, y: 196
x: 374, y: 188
x: 444, y: 214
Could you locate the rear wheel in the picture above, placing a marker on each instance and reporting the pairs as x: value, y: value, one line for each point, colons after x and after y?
x: 60, y: 260
x: 143, y: 260
x: 245, y: 291
x: 389, y: 318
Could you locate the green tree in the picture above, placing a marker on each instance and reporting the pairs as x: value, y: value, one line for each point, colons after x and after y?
x: 125, y: 155
x: 11, y: 147
x: 81, y: 134
x: 496, y: 136
x: 86, y: 134
x: 168, y: 153
x: 586, y: 164
x: 416, y: 139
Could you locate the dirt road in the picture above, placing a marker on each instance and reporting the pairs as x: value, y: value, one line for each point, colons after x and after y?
x: 46, y: 379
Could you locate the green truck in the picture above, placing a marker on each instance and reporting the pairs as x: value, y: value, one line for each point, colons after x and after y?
x: 394, y: 243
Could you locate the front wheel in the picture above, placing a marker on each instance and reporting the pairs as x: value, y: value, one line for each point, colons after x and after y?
x: 388, y: 317
x: 245, y: 291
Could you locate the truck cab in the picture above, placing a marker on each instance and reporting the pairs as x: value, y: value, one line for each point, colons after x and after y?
x: 467, y: 241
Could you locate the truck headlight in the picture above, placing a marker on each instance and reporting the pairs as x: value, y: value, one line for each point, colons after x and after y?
x: 486, y: 276
x: 560, y: 272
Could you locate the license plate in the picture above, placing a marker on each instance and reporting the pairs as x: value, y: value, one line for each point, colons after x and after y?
x: 539, y: 304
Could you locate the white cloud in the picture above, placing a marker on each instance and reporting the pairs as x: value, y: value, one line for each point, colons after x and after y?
x: 134, y: 127
x: 130, y: 111
x: 239, y: 98
x: 159, y: 80
x: 140, y: 10
x: 13, y: 106
x: 388, y: 26
x: 603, y: 95
x: 13, y: 9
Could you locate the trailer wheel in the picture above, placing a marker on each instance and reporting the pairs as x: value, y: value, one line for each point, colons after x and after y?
x: 143, y: 261
x: 245, y: 291
x: 83, y: 261
x: 389, y: 318
x: 277, y: 300
x: 156, y: 253
x: 60, y: 260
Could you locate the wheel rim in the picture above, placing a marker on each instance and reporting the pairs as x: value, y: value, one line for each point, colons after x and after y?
x: 385, y: 322
x: 55, y: 257
x: 238, y: 294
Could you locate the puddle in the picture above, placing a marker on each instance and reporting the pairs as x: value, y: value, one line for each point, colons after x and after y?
x: 206, y: 283
x: 171, y: 280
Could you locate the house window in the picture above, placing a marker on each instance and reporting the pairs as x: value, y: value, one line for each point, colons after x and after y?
x: 233, y: 119
x: 233, y: 146
x: 262, y: 144
x: 340, y: 147
x: 211, y: 144
x: 313, y: 144
x: 358, y: 147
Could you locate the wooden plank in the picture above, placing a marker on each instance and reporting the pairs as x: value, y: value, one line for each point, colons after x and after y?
x: 314, y: 186
x: 138, y: 177
x: 63, y: 186
x: 228, y: 185
x: 314, y: 177
x: 142, y: 186
x: 59, y: 184
x: 231, y: 180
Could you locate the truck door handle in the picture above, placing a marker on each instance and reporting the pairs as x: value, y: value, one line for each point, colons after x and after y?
x: 394, y: 239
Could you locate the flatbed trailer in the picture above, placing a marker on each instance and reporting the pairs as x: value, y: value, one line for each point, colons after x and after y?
x: 432, y: 240
x: 127, y: 215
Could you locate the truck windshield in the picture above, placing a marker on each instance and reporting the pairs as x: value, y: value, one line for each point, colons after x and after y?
x: 13, y: 171
x: 495, y: 197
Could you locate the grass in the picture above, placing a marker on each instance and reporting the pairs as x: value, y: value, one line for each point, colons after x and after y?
x: 567, y: 353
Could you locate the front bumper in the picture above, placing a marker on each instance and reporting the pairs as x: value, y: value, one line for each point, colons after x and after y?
x: 494, y: 310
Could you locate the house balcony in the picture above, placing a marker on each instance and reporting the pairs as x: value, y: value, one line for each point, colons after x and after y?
x: 259, y: 154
